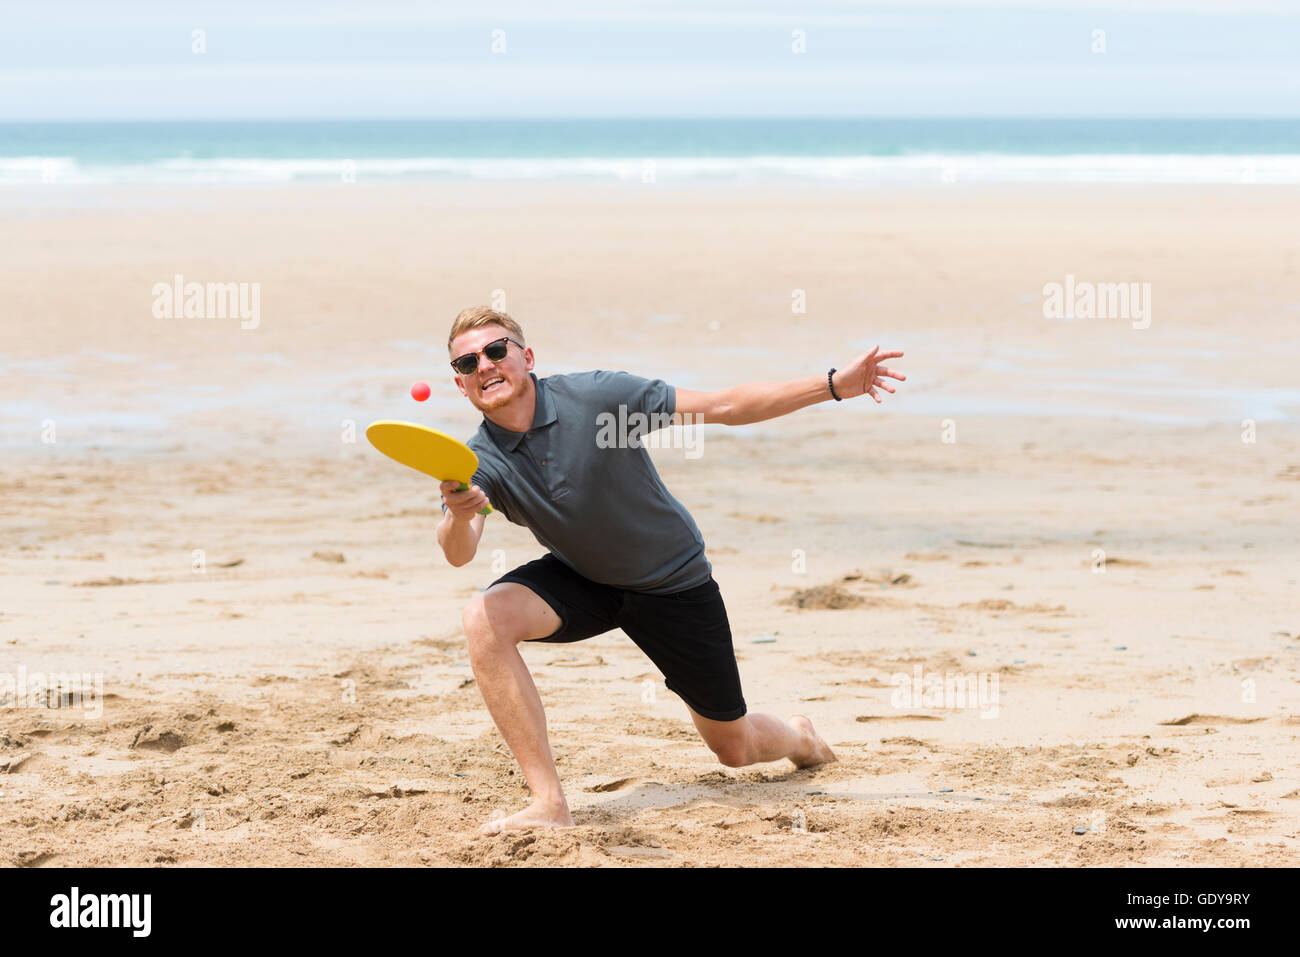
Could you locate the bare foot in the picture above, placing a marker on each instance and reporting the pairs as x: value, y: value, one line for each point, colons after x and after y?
x: 537, y: 814
x: 817, y: 751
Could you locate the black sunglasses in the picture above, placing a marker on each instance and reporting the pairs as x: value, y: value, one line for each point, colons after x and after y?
x: 495, y: 350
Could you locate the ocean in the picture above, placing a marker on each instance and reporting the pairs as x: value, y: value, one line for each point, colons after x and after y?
x: 841, y: 151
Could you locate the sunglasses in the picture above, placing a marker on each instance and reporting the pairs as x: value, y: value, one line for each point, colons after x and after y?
x: 495, y: 351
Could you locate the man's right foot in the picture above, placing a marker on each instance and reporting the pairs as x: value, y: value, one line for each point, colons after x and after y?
x: 537, y: 814
x: 817, y: 751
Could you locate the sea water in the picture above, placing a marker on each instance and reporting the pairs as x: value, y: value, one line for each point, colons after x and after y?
x: 851, y: 150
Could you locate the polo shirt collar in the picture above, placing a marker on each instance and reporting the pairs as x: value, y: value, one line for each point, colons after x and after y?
x: 543, y: 415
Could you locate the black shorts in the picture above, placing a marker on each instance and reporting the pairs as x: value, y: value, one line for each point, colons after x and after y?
x: 686, y: 634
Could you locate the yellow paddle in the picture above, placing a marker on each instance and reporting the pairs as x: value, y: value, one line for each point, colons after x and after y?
x: 426, y: 450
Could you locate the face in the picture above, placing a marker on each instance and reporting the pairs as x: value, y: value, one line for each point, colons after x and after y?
x: 495, y: 384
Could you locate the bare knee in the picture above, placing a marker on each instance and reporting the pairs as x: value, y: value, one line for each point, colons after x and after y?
x: 474, y: 618
x: 733, y: 757
x: 482, y: 631
x: 731, y: 749
x: 503, y: 616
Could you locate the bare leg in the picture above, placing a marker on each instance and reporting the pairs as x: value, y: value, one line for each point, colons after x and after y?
x: 495, y: 622
x: 756, y: 738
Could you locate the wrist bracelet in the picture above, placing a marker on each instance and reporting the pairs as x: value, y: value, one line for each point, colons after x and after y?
x: 830, y: 381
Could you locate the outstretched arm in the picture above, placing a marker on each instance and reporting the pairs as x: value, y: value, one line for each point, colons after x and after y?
x: 759, y: 401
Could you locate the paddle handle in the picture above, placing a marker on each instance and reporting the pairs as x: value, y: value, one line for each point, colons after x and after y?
x: 485, y: 510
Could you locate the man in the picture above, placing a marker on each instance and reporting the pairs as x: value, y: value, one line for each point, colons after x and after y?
x: 623, y: 552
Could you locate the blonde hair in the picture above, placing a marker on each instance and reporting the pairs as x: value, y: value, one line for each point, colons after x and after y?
x: 476, y: 317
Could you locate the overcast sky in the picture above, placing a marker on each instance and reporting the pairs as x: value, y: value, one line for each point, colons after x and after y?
x: 133, y: 59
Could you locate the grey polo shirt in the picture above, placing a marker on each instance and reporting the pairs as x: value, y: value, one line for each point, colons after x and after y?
x: 598, y: 506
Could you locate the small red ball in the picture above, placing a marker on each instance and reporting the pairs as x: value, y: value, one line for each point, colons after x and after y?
x: 420, y: 391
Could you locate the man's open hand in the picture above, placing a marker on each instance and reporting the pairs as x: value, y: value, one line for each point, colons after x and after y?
x: 865, y: 375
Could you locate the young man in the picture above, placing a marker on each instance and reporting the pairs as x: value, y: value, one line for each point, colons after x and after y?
x: 623, y: 552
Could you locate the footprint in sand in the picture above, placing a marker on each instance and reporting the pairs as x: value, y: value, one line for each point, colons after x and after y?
x: 113, y: 581
x: 897, y: 717
x: 823, y: 597
x: 1208, y: 719
x: 164, y: 739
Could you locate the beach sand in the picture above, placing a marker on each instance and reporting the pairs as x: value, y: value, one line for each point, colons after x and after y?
x: 1075, y: 508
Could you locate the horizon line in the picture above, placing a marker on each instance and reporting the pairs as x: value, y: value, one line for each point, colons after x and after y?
x: 659, y: 118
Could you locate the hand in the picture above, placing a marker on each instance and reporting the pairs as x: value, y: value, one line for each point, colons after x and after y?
x: 463, y: 505
x: 865, y: 375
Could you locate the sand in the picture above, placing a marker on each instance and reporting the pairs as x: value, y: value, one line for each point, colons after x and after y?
x: 298, y: 691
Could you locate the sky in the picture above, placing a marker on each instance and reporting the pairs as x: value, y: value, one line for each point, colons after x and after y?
x: 137, y: 59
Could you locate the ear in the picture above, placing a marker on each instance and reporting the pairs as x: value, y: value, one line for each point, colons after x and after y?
x: 456, y: 379
x: 529, y: 359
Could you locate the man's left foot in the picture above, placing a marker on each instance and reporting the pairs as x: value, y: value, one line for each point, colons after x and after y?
x: 816, y: 750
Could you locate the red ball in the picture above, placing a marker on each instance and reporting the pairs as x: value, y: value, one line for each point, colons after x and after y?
x: 420, y: 391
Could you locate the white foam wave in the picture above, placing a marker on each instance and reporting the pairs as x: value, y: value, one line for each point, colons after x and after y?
x: 914, y: 168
